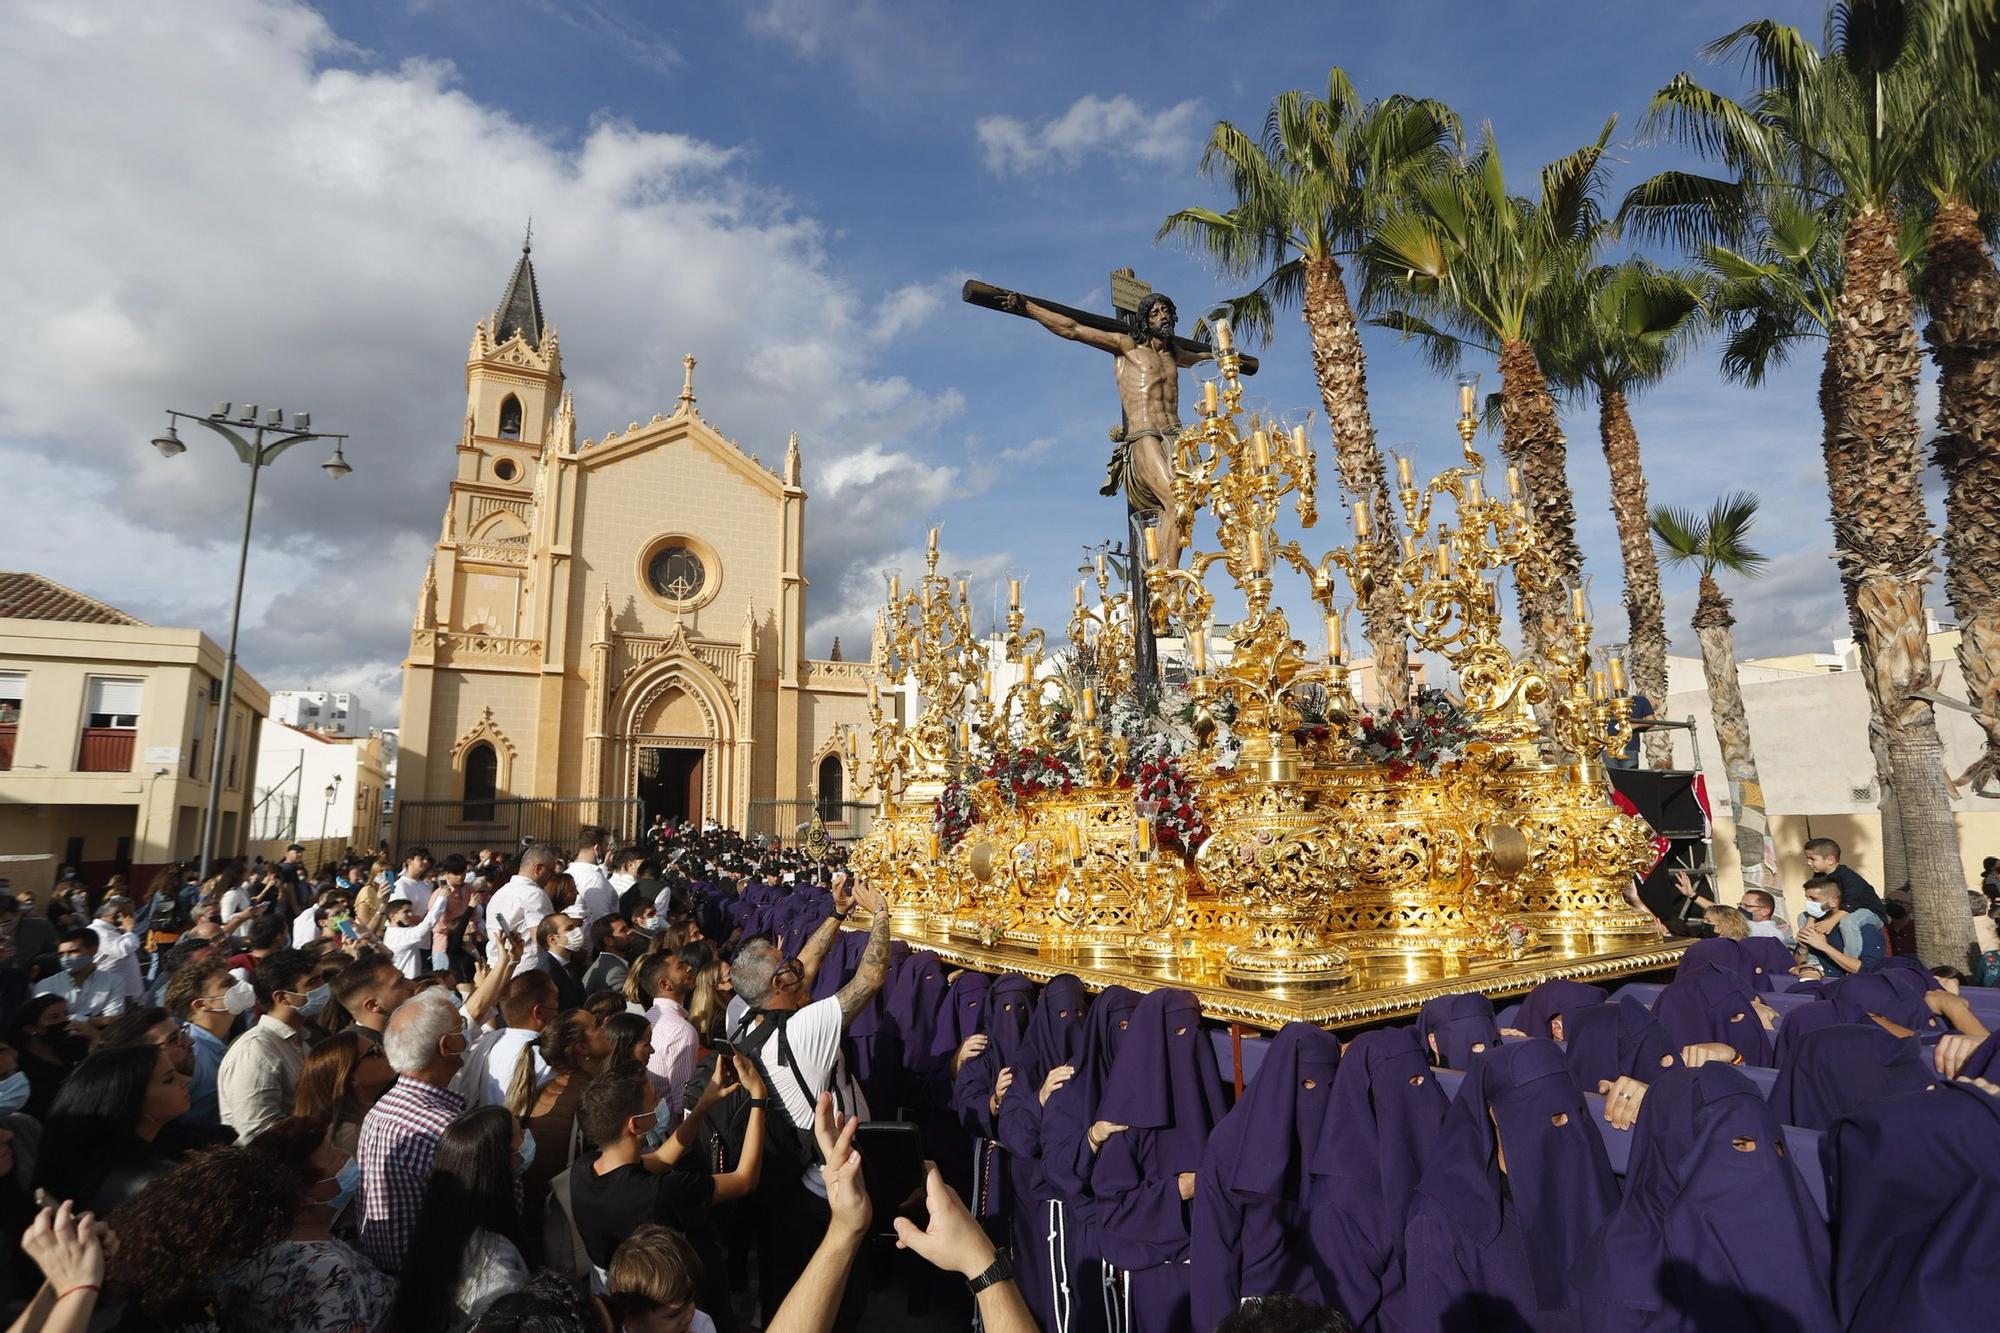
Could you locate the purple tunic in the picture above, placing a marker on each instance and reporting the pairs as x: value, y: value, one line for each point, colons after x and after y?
x: 1384, y: 1117
x: 1166, y: 1088
x: 1609, y: 1040
x: 1471, y: 1263
x: 1249, y: 1221
x: 1839, y: 1068
x: 1550, y: 1000
x: 1912, y: 1183
x: 1714, y: 1005
x: 1716, y: 1230
x: 1056, y: 1035
x: 1074, y: 1244
x: 1454, y: 1028
x: 1896, y: 994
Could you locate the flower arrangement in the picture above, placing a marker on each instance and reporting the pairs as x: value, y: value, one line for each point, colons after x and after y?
x: 1022, y: 774
x: 1159, y: 780
x: 1509, y: 937
x: 953, y: 815
x: 990, y: 930
x: 1420, y: 737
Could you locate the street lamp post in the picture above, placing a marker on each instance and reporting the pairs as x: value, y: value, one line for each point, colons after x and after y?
x: 326, y: 811
x: 246, y: 434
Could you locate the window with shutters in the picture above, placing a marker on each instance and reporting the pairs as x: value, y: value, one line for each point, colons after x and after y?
x: 13, y: 693
x: 110, y: 721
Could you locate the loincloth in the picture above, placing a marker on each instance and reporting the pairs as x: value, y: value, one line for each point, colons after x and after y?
x: 1122, y: 474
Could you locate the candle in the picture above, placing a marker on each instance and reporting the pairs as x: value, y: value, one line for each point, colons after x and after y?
x: 965, y: 735
x: 874, y: 696
x: 1145, y: 835
x: 1514, y: 482
x: 1075, y: 838
x: 986, y: 682
x: 1579, y: 609
x: 1403, y: 473
x: 1256, y: 551
x: 1361, y: 527
x: 1079, y: 597
x: 1299, y: 445
x: 895, y: 587
x: 937, y: 848
x: 1336, y: 638
x: 854, y: 744
x: 927, y: 596
x: 1597, y: 684
x: 1617, y: 665
x: 1465, y: 400
x: 1475, y: 492
x: 1260, y: 447
x: 1152, y: 545
x: 1089, y: 706
x: 1013, y: 594
x: 1409, y: 547
x: 1208, y: 404
x: 962, y: 590
x: 1222, y: 340
x: 892, y: 839
x: 1198, y: 651
x: 1100, y: 564
x: 1444, y: 560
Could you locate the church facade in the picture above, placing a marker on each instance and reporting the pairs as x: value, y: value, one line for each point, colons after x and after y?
x: 616, y: 622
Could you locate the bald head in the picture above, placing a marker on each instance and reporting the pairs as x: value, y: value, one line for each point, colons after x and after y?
x: 539, y: 863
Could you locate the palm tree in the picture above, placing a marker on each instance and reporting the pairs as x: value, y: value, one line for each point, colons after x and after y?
x: 1471, y: 266
x: 1842, y: 131
x: 1959, y: 181
x: 1712, y: 542
x: 1628, y: 326
x: 1307, y: 194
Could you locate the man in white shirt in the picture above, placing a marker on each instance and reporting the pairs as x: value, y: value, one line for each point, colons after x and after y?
x: 259, y: 1077
x: 235, y: 901
x: 595, y: 897
x: 520, y: 904
x: 1761, y: 909
x: 526, y: 1005
x: 795, y: 1038
x: 669, y: 981
x: 118, y: 945
x: 90, y: 991
x: 305, y: 926
x: 408, y: 937
x: 415, y: 882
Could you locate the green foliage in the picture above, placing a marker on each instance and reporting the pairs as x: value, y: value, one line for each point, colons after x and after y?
x: 1717, y: 540
x: 1623, y: 328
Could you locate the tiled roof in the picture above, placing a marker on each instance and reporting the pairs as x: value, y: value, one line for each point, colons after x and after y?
x: 31, y: 597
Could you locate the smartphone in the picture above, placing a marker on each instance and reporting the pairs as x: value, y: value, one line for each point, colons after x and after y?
x: 892, y: 1166
x: 723, y: 1049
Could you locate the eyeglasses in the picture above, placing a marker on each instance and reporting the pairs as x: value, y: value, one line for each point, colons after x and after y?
x: 791, y: 974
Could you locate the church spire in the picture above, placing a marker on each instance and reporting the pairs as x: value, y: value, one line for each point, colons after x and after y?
x: 792, y: 461
x: 520, y: 308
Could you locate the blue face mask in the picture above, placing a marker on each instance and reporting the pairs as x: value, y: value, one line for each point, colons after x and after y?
x: 527, y: 1154
x: 315, y: 1001
x: 346, y: 1184
x: 74, y: 963
x: 13, y: 1092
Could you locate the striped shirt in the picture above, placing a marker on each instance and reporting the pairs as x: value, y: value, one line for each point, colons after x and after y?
x: 399, y: 1141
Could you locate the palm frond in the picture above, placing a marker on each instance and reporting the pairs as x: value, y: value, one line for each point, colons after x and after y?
x: 1679, y: 534
x: 1728, y: 547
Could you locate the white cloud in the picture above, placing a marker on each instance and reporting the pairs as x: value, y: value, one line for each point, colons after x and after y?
x: 1114, y: 127
x: 228, y: 201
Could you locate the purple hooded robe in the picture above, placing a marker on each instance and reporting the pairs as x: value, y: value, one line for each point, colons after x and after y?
x: 1075, y: 1244
x: 1384, y: 1118
x: 1837, y: 1069
x: 1489, y: 1251
x: 1712, y: 1004
x: 1056, y: 1034
x: 1550, y: 1000
x: 1716, y: 1230
x: 1607, y: 1040
x: 1249, y: 1222
x: 1166, y: 1088
x: 1462, y: 1026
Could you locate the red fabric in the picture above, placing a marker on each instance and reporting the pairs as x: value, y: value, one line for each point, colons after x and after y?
x: 1707, y: 810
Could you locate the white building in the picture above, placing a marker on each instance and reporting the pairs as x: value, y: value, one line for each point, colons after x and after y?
x: 333, y: 711
x: 323, y: 791
x: 1808, y: 716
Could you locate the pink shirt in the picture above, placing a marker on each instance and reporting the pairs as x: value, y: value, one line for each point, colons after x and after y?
x: 675, y: 1044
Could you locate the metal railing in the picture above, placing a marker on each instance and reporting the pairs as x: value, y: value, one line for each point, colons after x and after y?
x: 442, y: 826
x: 785, y: 822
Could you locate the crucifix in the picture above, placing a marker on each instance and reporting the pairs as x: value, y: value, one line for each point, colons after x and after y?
x: 1148, y: 358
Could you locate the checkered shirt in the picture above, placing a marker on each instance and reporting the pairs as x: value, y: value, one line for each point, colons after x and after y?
x: 399, y: 1141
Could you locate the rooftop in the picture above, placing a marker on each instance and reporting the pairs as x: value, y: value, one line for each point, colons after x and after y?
x: 25, y: 596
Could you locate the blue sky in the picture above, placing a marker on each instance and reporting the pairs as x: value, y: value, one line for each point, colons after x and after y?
x: 321, y: 202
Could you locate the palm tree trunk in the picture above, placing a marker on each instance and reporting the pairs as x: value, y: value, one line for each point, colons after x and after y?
x: 1847, y: 487
x: 1341, y: 366
x: 1964, y: 334
x: 1885, y: 543
x: 1532, y: 439
x: 1645, y: 607
x: 1732, y: 731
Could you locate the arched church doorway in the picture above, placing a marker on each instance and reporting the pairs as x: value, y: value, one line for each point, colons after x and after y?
x: 670, y: 783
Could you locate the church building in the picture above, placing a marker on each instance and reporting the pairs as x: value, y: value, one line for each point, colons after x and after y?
x: 613, y: 629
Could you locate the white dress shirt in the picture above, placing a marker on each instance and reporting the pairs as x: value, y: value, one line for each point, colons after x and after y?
x: 102, y: 994
x: 490, y: 1064
x: 418, y: 891
x: 235, y: 902
x: 410, y: 946
x: 259, y: 1077
x: 304, y: 929
x: 118, y: 951
x: 518, y: 907
x: 595, y: 898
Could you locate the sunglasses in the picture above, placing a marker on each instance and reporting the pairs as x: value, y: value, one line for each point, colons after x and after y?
x: 790, y: 974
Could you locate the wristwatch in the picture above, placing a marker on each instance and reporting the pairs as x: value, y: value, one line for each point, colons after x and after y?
x: 759, y: 1104
x: 1000, y: 1270
x: 842, y: 916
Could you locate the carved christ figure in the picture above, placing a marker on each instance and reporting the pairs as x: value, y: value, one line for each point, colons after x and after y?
x: 1147, y: 365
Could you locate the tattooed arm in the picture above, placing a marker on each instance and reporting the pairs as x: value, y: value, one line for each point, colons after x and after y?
x: 873, y: 969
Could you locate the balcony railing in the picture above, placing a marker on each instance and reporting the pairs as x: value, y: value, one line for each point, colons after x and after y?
x: 7, y: 734
x: 106, y: 750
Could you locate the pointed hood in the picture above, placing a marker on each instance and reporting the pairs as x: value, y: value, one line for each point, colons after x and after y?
x: 1463, y: 1025
x: 1166, y: 1080
x: 1262, y: 1146
x: 1056, y: 1032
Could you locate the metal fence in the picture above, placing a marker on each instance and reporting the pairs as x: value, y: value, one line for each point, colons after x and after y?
x: 443, y: 828
x: 786, y: 821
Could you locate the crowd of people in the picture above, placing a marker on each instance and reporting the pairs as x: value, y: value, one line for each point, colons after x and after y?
x: 681, y: 1086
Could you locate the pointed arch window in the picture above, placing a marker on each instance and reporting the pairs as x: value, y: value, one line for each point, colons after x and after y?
x: 510, y: 418
x: 832, y: 789
x: 482, y: 780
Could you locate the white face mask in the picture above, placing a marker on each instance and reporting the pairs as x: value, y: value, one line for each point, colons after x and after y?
x: 1815, y: 908
x: 572, y: 939
x: 239, y: 997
